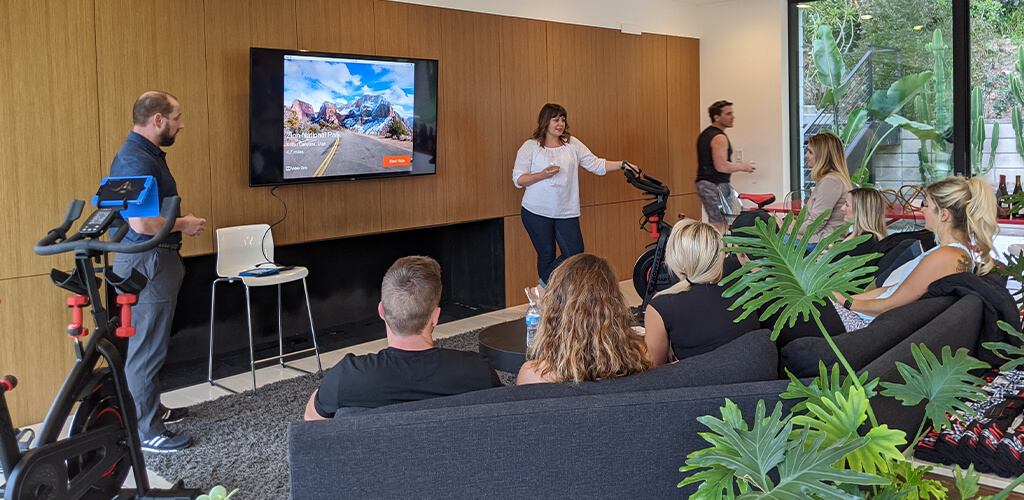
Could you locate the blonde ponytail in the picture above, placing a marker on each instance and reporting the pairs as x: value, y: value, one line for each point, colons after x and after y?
x: 981, y: 221
x: 694, y: 250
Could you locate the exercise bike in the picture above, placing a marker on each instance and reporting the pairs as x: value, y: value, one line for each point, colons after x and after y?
x: 103, y: 443
x: 648, y: 278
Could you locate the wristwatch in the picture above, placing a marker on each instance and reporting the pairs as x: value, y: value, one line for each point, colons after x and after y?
x: 848, y: 304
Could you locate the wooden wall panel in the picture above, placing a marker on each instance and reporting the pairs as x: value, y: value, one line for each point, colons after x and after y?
x: 611, y: 231
x: 685, y: 116
x: 524, y: 90
x: 405, y: 30
x: 688, y: 204
x: 49, y: 153
x: 134, y: 55
x: 335, y: 209
x: 469, y: 127
x: 520, y: 261
x: 37, y: 350
x: 230, y: 32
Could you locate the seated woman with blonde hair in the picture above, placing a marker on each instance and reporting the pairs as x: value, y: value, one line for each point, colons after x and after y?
x: 962, y: 214
x: 691, y: 317
x: 585, y: 330
x: 866, y: 208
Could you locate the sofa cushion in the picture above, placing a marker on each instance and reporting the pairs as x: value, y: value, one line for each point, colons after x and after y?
x: 750, y: 358
x: 861, y: 347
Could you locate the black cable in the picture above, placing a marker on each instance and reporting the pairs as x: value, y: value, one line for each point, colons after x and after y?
x: 263, y: 243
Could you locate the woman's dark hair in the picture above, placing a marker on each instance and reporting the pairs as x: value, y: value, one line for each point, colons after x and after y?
x: 549, y: 112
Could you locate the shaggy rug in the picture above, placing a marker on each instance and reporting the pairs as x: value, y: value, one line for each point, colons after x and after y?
x: 240, y: 440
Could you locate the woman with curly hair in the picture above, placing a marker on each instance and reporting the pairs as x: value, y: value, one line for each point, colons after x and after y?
x: 585, y: 330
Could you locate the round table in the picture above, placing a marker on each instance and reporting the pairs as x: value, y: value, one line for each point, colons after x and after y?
x: 504, y: 345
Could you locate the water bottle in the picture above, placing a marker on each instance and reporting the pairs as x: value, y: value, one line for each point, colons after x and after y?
x: 532, y: 317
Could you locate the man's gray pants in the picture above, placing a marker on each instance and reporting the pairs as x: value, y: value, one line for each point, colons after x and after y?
x: 151, y: 317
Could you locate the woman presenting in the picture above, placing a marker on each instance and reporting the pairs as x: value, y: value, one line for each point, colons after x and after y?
x: 547, y: 165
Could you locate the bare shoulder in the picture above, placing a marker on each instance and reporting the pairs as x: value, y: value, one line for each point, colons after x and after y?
x: 719, y: 139
x: 530, y: 374
x: 949, y: 258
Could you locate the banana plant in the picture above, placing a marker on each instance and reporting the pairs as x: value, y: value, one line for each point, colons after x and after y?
x: 831, y: 69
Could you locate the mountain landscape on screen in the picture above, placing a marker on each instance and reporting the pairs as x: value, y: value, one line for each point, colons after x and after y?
x: 370, y: 114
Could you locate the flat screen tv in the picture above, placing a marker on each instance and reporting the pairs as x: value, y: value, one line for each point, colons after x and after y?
x: 317, y: 116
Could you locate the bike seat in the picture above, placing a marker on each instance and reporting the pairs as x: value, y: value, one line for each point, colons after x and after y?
x: 759, y: 199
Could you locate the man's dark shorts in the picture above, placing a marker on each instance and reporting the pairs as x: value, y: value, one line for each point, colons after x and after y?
x: 712, y: 196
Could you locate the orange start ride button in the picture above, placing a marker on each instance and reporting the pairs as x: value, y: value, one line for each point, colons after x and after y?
x: 397, y: 161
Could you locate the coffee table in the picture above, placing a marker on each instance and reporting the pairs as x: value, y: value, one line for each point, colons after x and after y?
x: 504, y: 345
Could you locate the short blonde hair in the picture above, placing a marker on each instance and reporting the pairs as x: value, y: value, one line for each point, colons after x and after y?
x: 409, y: 294
x: 585, y: 330
x: 868, y: 213
x: 695, y: 250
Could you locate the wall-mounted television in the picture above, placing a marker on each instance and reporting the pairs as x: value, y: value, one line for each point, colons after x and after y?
x: 318, y: 116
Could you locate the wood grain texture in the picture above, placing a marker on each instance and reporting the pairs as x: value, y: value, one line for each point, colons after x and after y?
x: 407, y: 30
x: 37, y: 350
x: 230, y: 32
x: 520, y: 261
x: 135, y: 53
x: 469, y: 122
x: 524, y: 91
x: 611, y: 231
x: 49, y: 153
x: 686, y: 117
x: 336, y: 209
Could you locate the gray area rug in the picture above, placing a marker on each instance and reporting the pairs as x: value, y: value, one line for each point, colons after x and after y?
x: 240, y: 440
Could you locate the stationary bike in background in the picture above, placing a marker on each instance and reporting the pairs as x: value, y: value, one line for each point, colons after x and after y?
x: 103, y: 442
x: 648, y: 278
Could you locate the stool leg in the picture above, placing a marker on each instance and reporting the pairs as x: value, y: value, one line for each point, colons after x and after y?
x: 280, y: 328
x: 312, y: 329
x: 252, y: 352
x: 213, y: 303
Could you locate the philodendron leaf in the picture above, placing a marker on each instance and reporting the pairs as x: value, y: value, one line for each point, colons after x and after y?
x: 906, y: 476
x: 946, y: 384
x: 807, y: 475
x: 839, y: 418
x: 1014, y: 354
x: 882, y: 105
x: 748, y: 453
x: 966, y: 482
x: 783, y: 276
x: 854, y: 123
x: 824, y: 387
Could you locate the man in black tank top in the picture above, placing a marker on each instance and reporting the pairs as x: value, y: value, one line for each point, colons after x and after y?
x: 714, y: 164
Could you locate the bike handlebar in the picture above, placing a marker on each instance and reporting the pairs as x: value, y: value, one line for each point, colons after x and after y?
x: 644, y: 182
x: 51, y: 244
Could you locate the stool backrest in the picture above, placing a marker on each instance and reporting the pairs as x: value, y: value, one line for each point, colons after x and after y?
x: 243, y: 247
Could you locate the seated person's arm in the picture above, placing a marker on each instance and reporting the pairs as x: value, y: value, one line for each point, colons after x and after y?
x: 941, y: 263
x: 656, y: 337
x: 868, y: 295
x: 530, y: 374
x: 311, y: 413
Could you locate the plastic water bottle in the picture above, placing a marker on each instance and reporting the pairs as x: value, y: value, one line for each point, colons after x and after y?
x: 532, y: 322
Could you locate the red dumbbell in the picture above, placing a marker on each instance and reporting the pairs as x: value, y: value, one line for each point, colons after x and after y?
x: 125, y: 301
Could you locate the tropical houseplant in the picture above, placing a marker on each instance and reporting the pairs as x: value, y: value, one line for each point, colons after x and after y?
x: 825, y: 447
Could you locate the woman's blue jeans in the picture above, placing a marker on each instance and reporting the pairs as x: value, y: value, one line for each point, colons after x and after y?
x: 545, y: 233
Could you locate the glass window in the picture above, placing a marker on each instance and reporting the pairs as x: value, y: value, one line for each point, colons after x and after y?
x: 878, y: 73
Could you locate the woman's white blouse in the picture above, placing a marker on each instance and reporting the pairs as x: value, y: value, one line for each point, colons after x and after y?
x: 559, y: 196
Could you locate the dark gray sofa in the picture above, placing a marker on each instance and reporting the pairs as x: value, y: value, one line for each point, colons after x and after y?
x: 620, y: 438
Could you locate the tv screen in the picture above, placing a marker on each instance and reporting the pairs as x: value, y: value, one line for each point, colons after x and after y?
x: 317, y: 116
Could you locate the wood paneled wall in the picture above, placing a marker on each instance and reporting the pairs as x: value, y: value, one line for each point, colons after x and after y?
x: 71, y: 69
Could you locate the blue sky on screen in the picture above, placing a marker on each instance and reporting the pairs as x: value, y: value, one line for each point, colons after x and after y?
x: 341, y: 81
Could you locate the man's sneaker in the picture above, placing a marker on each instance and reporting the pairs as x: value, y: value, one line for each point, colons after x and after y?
x: 172, y: 415
x: 168, y: 442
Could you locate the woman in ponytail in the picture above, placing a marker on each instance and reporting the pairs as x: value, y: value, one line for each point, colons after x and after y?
x: 692, y: 317
x: 962, y: 214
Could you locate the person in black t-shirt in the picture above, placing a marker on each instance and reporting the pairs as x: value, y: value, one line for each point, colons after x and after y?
x: 410, y: 368
x: 692, y: 317
x: 715, y: 166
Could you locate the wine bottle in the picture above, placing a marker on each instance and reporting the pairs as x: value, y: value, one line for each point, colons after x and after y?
x: 1001, y: 195
x: 1016, y: 189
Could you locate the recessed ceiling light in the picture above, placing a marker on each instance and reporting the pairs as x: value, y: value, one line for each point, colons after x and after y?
x: 918, y: 27
x: 866, y: 17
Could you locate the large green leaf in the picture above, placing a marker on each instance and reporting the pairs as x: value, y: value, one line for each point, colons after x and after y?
x: 783, y: 276
x: 922, y: 131
x: 1014, y: 354
x: 823, y: 387
x: 885, y: 104
x: 946, y: 385
x: 854, y: 123
x: 811, y: 475
x: 840, y: 418
x: 906, y: 476
x: 966, y: 482
x: 1018, y: 129
x: 827, y: 58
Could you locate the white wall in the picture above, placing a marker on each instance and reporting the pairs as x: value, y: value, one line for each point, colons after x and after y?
x: 743, y: 60
x: 666, y: 17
